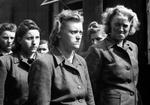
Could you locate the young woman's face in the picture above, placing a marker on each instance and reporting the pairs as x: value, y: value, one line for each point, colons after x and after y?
x: 30, y: 42
x: 97, y: 37
x: 120, y: 27
x: 6, y: 40
x: 43, y: 48
x: 71, y: 35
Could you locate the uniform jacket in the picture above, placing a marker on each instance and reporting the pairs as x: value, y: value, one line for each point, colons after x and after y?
x: 114, y: 73
x: 13, y: 80
x: 55, y: 81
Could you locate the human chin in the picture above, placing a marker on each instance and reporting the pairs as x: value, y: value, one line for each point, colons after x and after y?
x: 33, y: 50
x: 77, y: 46
x: 9, y: 47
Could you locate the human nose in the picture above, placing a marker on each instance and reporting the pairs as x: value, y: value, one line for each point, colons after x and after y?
x: 121, y: 28
x: 10, y: 40
x: 79, y: 36
x: 35, y: 41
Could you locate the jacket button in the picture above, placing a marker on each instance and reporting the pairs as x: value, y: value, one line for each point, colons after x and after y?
x: 128, y: 68
x: 129, y: 80
x: 131, y: 93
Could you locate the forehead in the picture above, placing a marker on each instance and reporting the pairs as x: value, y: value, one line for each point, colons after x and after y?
x: 8, y: 33
x: 120, y: 18
x: 33, y: 32
x: 72, y: 24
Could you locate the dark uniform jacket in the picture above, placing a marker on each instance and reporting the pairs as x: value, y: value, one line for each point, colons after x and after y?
x: 114, y: 73
x: 55, y: 81
x: 13, y: 80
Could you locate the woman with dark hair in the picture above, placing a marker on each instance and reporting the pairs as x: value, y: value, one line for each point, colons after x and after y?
x: 7, y: 36
x: 14, y: 68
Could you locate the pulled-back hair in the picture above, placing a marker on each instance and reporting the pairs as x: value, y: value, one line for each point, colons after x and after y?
x: 60, y: 20
x: 94, y: 28
x: 22, y: 30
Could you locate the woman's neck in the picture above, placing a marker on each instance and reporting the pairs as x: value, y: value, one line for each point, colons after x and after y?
x: 27, y: 55
x: 117, y: 42
x: 120, y: 44
x: 67, y: 53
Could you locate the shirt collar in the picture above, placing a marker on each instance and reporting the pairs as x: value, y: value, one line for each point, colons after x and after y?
x: 18, y: 57
x: 110, y: 43
x: 60, y: 58
x: 4, y: 53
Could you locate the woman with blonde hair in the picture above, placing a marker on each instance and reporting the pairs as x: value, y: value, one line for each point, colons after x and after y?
x: 113, y: 63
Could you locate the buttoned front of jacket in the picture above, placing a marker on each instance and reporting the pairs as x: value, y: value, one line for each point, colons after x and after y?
x: 114, y: 72
x: 13, y: 77
x: 67, y: 83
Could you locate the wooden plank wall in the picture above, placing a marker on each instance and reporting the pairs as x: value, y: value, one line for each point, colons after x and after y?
x: 17, y: 10
x: 148, y: 29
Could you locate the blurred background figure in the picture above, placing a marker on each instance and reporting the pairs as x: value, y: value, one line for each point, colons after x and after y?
x: 7, y: 36
x: 14, y: 67
x: 43, y: 46
x: 113, y: 63
x: 96, y: 32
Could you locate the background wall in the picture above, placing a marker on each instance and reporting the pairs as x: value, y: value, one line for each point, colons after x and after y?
x: 17, y: 10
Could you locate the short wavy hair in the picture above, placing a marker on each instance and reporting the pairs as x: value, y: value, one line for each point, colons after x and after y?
x: 63, y: 17
x: 109, y: 13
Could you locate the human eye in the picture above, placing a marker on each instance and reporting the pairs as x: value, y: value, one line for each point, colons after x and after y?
x: 29, y: 38
x: 125, y: 25
x: 12, y: 37
x: 5, y: 37
x: 74, y: 32
x: 37, y: 37
x: 98, y: 38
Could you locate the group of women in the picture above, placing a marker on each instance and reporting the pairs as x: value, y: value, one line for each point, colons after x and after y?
x: 107, y: 76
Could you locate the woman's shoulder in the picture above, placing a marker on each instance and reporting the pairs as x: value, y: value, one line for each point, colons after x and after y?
x: 80, y: 59
x: 8, y: 57
x: 44, y: 57
x: 79, y: 56
x: 8, y: 60
x: 131, y: 44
